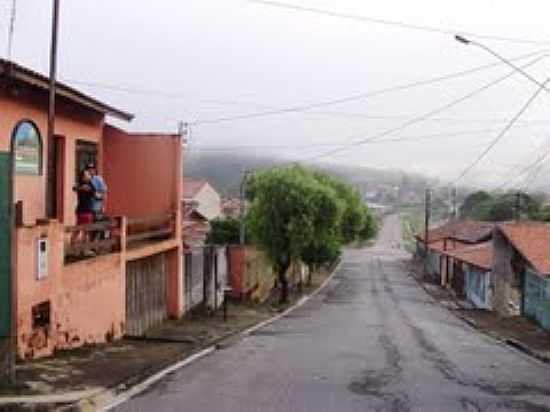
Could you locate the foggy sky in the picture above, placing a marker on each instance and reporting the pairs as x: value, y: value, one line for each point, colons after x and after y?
x: 197, y: 60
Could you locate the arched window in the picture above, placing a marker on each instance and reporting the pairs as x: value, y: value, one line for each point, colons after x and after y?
x: 27, y: 149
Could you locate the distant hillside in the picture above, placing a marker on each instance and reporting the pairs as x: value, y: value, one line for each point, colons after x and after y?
x: 224, y: 171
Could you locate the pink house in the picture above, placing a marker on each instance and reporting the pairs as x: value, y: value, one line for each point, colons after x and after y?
x: 60, y: 297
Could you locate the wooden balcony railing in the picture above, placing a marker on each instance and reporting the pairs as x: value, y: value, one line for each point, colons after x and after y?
x: 150, y: 229
x: 88, y: 241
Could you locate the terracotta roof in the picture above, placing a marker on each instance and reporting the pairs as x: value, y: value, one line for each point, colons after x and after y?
x: 469, y: 231
x: 191, y: 186
x: 18, y: 73
x: 478, y: 255
x: 532, y: 240
x: 443, y: 246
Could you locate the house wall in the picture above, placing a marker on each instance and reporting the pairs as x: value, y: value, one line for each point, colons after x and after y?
x: 537, y: 298
x: 210, y: 202
x: 478, y: 286
x: 72, y: 123
x: 87, y: 301
x: 143, y: 173
x: 503, y: 276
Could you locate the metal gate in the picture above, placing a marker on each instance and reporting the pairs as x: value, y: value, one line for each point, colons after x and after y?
x: 146, y: 303
x: 5, y: 245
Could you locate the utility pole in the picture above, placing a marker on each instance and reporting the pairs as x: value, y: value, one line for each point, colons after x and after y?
x: 50, y: 192
x: 243, y: 201
x: 454, y: 209
x: 427, y: 214
x: 517, y: 208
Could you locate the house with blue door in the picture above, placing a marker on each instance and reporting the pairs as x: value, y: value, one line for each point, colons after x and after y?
x: 473, y: 264
x: 521, y: 270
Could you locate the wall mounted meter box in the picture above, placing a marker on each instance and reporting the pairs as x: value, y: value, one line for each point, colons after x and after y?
x: 42, y: 258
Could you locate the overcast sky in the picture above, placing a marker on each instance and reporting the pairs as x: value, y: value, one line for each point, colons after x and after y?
x: 201, y: 60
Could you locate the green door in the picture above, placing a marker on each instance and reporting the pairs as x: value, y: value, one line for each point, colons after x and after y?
x: 5, y: 244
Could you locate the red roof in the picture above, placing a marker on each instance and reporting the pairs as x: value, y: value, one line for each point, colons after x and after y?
x: 191, y: 186
x: 468, y: 231
x: 443, y: 246
x: 532, y: 240
x: 478, y: 255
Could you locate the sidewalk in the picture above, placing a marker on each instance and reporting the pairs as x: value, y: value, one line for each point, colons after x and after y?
x: 519, y: 332
x: 72, y: 376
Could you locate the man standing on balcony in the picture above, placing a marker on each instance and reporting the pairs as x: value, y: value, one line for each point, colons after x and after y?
x: 100, y: 189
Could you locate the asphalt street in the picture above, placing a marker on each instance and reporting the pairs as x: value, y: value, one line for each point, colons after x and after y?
x: 372, y: 340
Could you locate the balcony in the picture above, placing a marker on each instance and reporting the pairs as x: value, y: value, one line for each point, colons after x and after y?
x: 88, y: 241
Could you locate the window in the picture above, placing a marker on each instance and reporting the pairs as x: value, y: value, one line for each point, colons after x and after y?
x: 27, y: 149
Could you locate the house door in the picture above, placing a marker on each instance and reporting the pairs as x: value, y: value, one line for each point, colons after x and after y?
x: 146, y: 303
x: 5, y: 263
x: 86, y: 152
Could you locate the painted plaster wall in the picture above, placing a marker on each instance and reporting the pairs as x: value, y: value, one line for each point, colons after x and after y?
x: 143, y: 173
x: 87, y: 299
x: 502, y: 275
x: 72, y: 123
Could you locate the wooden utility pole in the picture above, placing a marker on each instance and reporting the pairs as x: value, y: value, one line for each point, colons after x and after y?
x: 51, y: 185
x: 427, y: 214
x: 454, y: 210
x: 517, y: 208
x: 242, y: 233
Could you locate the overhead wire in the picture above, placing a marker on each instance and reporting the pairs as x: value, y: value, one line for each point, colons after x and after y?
x: 300, y: 107
x: 503, y: 132
x: 395, y: 23
x: 422, y: 117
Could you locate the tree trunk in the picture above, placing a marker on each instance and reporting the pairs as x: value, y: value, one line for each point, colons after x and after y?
x: 310, y: 268
x: 283, y: 282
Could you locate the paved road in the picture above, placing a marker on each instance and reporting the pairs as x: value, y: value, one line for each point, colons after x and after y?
x: 371, y: 341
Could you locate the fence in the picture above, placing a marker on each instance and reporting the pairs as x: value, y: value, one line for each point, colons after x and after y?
x: 205, y: 277
x: 86, y: 241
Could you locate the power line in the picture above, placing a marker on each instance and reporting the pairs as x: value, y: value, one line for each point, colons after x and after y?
x: 395, y: 23
x: 272, y: 111
x: 422, y: 117
x: 502, y: 133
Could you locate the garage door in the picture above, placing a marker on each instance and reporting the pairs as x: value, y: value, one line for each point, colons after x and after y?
x: 145, y: 294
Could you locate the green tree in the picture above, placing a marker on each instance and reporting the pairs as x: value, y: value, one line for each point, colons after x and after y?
x: 291, y: 212
x: 224, y: 232
x: 473, y: 202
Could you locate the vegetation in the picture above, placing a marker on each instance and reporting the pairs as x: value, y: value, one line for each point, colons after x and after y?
x: 482, y: 205
x: 224, y: 231
x: 298, y: 214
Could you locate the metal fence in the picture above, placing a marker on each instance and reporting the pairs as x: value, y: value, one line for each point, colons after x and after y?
x: 205, y: 277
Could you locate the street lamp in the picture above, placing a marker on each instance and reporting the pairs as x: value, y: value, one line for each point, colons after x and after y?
x: 464, y: 40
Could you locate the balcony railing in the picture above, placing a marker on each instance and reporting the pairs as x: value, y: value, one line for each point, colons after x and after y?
x: 144, y: 230
x: 88, y: 241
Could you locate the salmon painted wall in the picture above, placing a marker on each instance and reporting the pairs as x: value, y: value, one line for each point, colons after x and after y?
x: 87, y: 299
x: 72, y: 122
x: 143, y: 173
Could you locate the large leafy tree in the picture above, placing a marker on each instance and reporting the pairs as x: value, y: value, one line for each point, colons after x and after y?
x: 297, y: 214
x: 291, y: 212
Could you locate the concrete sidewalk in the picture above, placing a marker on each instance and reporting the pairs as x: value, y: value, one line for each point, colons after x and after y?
x: 73, y: 376
x: 516, y: 331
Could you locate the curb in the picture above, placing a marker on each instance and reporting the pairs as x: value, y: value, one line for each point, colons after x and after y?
x: 139, y: 388
x: 512, y: 343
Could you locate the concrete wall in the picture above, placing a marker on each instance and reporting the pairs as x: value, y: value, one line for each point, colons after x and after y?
x: 537, y: 298
x: 72, y: 123
x: 87, y: 299
x: 503, y: 275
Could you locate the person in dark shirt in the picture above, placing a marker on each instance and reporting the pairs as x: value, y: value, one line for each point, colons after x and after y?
x: 86, y: 195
